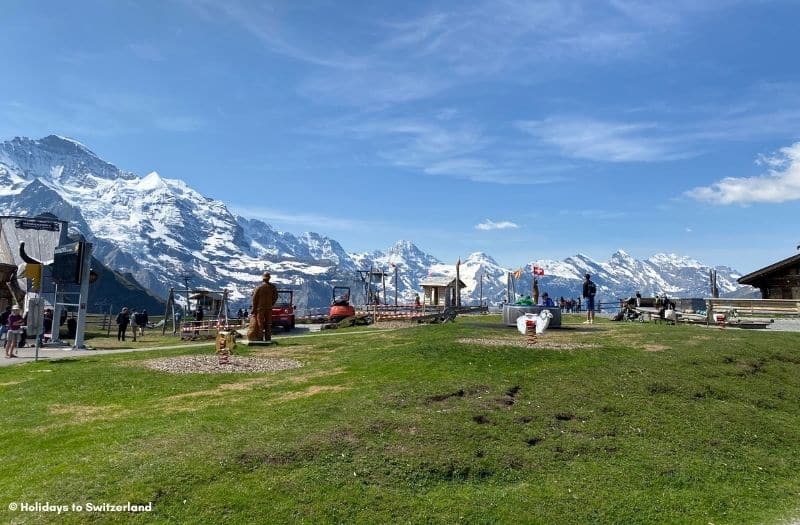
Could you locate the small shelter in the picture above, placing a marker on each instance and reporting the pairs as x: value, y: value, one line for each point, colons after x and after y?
x: 441, y: 291
x: 212, y: 302
x: 777, y: 281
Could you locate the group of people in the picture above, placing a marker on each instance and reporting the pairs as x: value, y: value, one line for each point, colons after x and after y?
x: 137, y: 320
x: 13, y: 328
x: 242, y: 313
x: 570, y: 306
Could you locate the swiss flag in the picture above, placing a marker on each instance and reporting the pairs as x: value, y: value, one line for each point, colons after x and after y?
x: 538, y: 271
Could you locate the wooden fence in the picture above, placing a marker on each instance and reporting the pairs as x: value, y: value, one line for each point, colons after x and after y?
x: 752, y: 307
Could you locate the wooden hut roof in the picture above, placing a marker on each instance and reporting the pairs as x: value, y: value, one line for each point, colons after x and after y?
x: 752, y: 278
x: 441, y: 281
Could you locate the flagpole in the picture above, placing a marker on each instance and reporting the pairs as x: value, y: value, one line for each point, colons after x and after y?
x: 458, y: 280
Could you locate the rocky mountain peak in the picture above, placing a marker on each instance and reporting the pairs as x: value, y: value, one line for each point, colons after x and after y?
x: 158, y: 228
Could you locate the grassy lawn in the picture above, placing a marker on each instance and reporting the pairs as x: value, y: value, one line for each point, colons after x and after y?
x: 614, y: 423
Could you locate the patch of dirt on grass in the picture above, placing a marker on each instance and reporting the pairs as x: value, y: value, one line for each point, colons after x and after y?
x: 655, y: 348
x: 209, y: 364
x: 250, y: 383
x: 397, y: 324
x: 311, y: 391
x: 481, y: 419
x: 542, y: 343
x: 442, y: 397
x: 12, y: 383
x: 288, y: 350
x: 513, y: 391
x: 86, y: 413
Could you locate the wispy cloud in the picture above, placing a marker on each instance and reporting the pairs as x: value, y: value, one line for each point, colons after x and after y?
x: 91, y: 112
x: 446, y: 144
x: 274, y: 30
x: 427, y: 53
x: 310, y: 220
x: 590, y: 139
x: 489, y: 225
x: 781, y: 183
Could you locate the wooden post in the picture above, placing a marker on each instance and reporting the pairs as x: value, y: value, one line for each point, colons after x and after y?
x: 458, y: 280
x: 383, y: 283
x: 480, y: 301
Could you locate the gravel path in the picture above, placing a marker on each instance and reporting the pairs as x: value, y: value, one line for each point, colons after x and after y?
x: 209, y: 364
x: 785, y: 325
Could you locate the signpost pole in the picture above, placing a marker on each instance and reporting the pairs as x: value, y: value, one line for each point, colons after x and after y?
x: 83, y: 299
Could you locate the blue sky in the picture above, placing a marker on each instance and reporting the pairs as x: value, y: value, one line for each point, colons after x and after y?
x: 523, y: 129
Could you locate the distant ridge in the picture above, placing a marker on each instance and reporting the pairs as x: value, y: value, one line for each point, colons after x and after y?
x: 157, y: 229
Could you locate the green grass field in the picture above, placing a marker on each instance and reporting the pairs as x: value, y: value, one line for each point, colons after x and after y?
x: 613, y: 423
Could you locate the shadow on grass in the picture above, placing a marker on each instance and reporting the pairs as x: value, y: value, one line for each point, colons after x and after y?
x: 63, y: 360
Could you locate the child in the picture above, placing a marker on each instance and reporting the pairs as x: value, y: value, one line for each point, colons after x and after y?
x: 14, y: 329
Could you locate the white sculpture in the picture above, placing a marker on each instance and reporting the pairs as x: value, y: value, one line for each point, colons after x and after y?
x: 541, y: 321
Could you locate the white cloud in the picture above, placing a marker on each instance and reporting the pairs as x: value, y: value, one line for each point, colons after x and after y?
x: 781, y: 183
x: 591, y: 139
x: 489, y: 224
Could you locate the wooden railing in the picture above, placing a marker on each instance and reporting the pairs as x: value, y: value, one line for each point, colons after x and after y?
x: 752, y: 307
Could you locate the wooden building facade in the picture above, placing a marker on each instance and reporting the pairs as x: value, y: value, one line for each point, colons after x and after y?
x: 441, y: 291
x: 777, y: 281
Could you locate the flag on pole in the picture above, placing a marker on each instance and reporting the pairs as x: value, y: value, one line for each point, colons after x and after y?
x: 538, y: 271
x: 517, y: 273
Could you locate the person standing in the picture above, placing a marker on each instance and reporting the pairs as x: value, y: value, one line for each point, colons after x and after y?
x: 546, y: 301
x: 4, y: 321
x: 144, y: 318
x: 14, y: 330
x: 134, y: 317
x: 123, y: 320
x: 264, y: 298
x: 589, y: 291
x: 47, y: 325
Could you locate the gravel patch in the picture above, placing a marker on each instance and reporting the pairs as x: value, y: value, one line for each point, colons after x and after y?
x: 523, y: 343
x: 209, y: 364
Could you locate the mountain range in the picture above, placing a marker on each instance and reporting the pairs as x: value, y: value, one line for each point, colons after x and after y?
x: 158, y: 230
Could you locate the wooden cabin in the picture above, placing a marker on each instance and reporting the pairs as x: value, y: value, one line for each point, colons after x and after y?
x: 441, y: 291
x: 777, y: 281
x: 212, y: 302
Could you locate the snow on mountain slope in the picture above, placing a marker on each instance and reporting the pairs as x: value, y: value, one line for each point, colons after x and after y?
x: 159, y: 229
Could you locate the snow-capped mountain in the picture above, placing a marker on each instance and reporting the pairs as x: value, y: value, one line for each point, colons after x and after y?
x: 159, y: 229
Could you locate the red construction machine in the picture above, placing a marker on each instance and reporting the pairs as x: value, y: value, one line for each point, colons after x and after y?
x: 283, y: 310
x: 341, y: 307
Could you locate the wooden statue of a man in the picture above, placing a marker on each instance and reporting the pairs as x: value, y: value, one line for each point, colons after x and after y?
x: 264, y: 298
